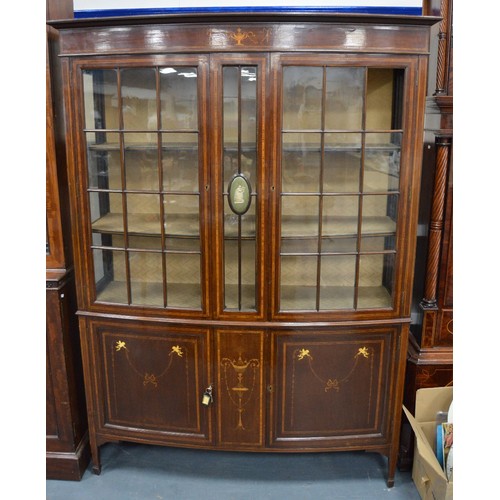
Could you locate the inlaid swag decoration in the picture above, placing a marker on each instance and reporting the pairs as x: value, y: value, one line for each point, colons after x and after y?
x: 335, y: 383
x: 151, y: 378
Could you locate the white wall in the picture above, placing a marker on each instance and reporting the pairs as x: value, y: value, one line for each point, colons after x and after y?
x: 82, y: 5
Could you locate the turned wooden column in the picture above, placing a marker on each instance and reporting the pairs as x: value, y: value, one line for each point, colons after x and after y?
x: 444, y: 64
x: 436, y: 224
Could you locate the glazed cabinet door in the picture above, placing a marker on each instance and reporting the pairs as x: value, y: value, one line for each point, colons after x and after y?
x: 332, y: 388
x: 239, y: 138
x: 342, y: 183
x: 143, y: 177
x: 149, y: 381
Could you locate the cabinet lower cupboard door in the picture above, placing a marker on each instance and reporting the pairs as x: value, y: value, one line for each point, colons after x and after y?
x: 332, y: 387
x: 151, y: 381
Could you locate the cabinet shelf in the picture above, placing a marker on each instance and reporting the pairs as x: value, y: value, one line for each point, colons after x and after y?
x: 235, y: 148
x: 334, y: 297
x: 186, y: 295
x: 342, y: 226
x: 144, y: 146
x: 187, y: 225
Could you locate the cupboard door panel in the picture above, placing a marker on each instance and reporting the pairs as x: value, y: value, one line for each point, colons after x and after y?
x: 240, y: 395
x: 331, y: 386
x: 153, y: 380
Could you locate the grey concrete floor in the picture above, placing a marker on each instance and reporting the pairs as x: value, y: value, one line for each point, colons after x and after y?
x: 142, y: 472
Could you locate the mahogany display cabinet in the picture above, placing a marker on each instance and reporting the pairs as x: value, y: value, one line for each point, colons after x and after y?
x: 244, y: 200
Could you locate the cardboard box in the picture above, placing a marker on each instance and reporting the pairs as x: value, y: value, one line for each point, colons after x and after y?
x: 428, y: 475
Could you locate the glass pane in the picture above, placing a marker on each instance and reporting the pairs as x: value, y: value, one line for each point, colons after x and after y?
x: 141, y: 164
x: 100, y: 239
x: 182, y: 215
x: 302, y: 96
x: 379, y: 214
x: 103, y: 159
x: 106, y: 212
x: 382, y: 162
x: 244, y: 223
x: 110, y: 276
x: 298, y: 283
x: 300, y: 246
x: 240, y: 123
x: 337, y: 282
x: 342, y: 163
x: 138, y: 92
x: 338, y: 245
x: 239, y: 274
x: 230, y: 107
x: 379, y: 99
x: 340, y: 215
x: 378, y: 243
x: 299, y: 216
x: 301, y: 163
x: 146, y: 278
x: 249, y: 107
x: 376, y: 275
x: 344, y: 98
x: 183, y: 280
x: 100, y: 90
x: 143, y: 216
x: 182, y: 245
x: 178, y: 94
x: 244, y: 161
x: 180, y: 162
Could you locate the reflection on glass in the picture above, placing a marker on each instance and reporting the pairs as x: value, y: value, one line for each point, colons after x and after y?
x: 138, y: 93
x: 100, y: 88
x: 382, y: 162
x: 302, y: 96
x: 344, y: 98
x: 301, y: 163
x: 178, y: 95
